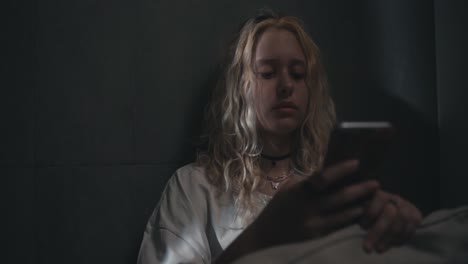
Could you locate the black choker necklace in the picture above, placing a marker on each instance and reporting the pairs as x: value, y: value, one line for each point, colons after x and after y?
x: 274, y: 159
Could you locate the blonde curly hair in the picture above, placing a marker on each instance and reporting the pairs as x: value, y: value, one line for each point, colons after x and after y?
x: 231, y: 158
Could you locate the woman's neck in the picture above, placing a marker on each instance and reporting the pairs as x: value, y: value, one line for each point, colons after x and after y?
x: 276, y: 145
x: 275, y: 153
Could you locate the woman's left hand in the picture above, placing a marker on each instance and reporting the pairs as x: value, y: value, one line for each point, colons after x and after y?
x: 390, y: 221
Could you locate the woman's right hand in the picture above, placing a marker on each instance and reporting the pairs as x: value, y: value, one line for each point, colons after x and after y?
x: 304, y: 210
x: 308, y: 209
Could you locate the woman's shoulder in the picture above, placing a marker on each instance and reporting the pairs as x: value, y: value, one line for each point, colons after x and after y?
x: 191, y: 170
x: 190, y: 177
x: 186, y: 189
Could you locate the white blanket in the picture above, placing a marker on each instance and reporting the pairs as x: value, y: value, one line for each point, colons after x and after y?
x: 442, y: 238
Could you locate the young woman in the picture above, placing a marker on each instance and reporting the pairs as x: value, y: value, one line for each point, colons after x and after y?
x: 260, y: 181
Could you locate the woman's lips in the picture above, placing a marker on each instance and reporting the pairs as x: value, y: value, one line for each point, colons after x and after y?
x: 285, y: 107
x: 285, y: 110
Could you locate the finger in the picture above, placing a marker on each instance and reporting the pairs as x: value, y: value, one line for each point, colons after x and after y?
x: 374, y: 209
x: 380, y: 227
x: 348, y: 195
x: 407, y: 232
x: 412, y: 211
x: 333, y: 174
x: 342, y: 219
x: 412, y: 219
x: 392, y: 236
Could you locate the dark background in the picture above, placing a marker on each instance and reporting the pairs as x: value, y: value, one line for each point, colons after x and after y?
x: 102, y: 100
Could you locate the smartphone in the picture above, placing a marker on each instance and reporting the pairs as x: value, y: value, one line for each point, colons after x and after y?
x: 367, y: 142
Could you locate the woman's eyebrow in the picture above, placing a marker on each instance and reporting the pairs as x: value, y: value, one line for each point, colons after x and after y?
x: 297, y: 62
x: 270, y: 61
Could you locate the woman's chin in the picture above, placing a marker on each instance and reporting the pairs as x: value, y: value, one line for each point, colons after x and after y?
x: 284, y: 127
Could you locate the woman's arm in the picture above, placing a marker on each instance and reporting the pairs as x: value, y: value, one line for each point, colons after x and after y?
x: 307, y: 211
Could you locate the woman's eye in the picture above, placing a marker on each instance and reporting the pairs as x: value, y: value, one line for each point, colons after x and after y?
x: 298, y: 76
x: 267, y: 75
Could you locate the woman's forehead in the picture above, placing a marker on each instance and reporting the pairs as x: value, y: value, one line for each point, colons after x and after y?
x: 278, y: 44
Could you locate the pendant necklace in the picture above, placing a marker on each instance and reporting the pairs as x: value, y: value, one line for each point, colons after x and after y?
x: 275, y: 181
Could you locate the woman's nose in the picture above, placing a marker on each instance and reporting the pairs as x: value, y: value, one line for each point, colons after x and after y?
x: 285, y: 84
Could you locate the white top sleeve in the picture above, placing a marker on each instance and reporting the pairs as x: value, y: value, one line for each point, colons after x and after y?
x: 192, y: 223
x: 175, y: 233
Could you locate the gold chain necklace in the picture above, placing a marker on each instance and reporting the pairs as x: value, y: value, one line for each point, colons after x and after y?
x: 275, y: 181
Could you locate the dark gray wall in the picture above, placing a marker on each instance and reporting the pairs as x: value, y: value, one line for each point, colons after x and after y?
x: 102, y: 100
x: 452, y: 69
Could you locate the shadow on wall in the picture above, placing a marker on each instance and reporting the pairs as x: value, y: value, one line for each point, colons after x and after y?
x: 195, y: 110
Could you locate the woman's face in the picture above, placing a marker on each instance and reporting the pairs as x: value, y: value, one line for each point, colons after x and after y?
x: 280, y: 92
